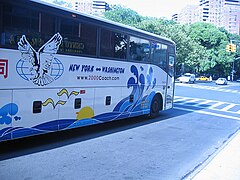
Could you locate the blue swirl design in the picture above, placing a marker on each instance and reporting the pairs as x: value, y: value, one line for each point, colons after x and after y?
x: 123, y: 109
x: 137, y: 83
x: 150, y: 80
x: 6, y: 113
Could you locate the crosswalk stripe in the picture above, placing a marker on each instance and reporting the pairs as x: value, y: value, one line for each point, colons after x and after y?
x: 221, y: 89
x: 217, y: 104
x: 205, y: 102
x: 228, y: 107
x: 209, y: 113
x: 192, y: 100
x: 208, y: 104
x: 180, y: 99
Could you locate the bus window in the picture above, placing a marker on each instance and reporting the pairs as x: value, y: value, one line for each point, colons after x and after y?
x: 171, y: 49
x: 47, y: 24
x: 88, y: 36
x: 70, y: 27
x: 17, y: 21
x: 113, y: 44
x: 78, y: 38
x: 171, y: 65
x: 1, y: 19
x: 139, y: 49
x: 159, y: 55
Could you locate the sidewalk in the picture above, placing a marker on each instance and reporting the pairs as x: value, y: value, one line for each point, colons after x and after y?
x: 225, y: 165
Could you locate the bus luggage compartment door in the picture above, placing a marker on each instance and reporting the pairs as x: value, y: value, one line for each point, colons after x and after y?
x: 8, y: 114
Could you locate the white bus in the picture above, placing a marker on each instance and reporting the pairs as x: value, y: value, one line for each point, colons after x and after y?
x: 61, y: 69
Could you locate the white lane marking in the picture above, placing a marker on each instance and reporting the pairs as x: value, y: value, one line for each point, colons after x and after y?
x: 192, y: 100
x: 217, y: 104
x: 210, y: 102
x: 181, y: 99
x: 189, y: 98
x: 228, y: 107
x: 209, y: 113
x: 219, y: 88
x: 205, y: 102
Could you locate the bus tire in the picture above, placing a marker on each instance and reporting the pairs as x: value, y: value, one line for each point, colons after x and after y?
x: 156, y: 106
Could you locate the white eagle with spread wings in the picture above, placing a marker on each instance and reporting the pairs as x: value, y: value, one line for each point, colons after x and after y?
x: 40, y: 61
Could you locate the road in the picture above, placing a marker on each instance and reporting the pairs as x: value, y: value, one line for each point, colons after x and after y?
x: 171, y: 146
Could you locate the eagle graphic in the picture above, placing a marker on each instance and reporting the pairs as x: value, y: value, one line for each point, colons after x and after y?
x: 40, y: 61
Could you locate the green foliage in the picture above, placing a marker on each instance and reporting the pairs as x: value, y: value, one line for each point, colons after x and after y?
x: 123, y: 15
x: 215, y: 41
x: 201, y: 47
x: 59, y: 2
x: 62, y: 3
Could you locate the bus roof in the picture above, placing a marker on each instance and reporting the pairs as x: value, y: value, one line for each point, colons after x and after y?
x: 103, y: 20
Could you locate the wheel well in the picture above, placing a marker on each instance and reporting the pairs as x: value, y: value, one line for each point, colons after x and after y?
x: 160, y: 98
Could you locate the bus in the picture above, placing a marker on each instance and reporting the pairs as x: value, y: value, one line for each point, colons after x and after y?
x: 62, y: 69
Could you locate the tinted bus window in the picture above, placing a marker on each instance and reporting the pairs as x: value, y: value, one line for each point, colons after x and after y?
x: 113, y: 44
x: 17, y: 21
x: 78, y: 37
x: 159, y: 55
x: 48, y: 23
x: 171, y: 65
x: 70, y: 27
x: 139, y: 49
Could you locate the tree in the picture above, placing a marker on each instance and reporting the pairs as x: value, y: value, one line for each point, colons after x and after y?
x: 189, y: 53
x: 62, y: 3
x: 123, y: 15
x: 201, y: 47
x: 214, y: 41
x: 235, y: 39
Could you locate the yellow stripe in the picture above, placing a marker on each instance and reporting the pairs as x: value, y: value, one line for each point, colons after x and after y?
x: 61, y: 102
x: 49, y: 101
x: 63, y: 91
x: 74, y: 93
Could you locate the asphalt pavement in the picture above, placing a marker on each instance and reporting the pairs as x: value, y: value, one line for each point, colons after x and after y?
x: 224, y: 165
x: 198, y: 139
x: 225, y: 162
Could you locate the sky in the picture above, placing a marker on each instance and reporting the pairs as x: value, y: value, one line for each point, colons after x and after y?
x: 152, y: 8
x: 155, y: 8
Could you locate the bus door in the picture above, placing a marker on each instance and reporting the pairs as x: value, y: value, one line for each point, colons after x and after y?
x: 170, y: 81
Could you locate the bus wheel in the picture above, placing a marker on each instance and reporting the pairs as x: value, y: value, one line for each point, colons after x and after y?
x: 155, y: 106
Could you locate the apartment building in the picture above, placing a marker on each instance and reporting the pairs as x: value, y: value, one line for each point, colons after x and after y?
x: 99, y: 7
x: 187, y: 14
x: 84, y: 6
x: 222, y: 13
x: 175, y: 17
x: 92, y: 7
x: 231, y: 16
